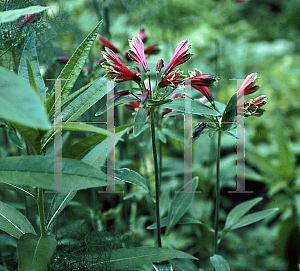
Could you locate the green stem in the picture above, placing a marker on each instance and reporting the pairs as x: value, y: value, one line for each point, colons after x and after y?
x: 157, y: 186
x: 216, y: 226
x: 40, y: 202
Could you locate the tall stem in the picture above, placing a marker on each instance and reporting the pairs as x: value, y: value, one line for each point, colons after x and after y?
x: 40, y: 202
x: 157, y: 185
x: 216, y: 226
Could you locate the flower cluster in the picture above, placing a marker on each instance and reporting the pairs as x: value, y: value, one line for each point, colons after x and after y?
x: 169, y: 77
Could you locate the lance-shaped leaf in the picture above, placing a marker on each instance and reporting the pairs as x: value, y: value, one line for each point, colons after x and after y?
x: 198, y: 108
x: 18, y: 189
x: 38, y: 171
x: 32, y: 74
x: 141, y: 117
x: 34, y: 252
x: 130, y: 176
x: 13, y: 222
x: 164, y: 266
x: 219, y: 263
x: 181, y: 203
x: 12, y: 15
x: 19, y: 103
x: 238, y: 211
x: 59, y: 202
x: 72, y: 69
x: 137, y: 256
x: 229, y: 115
x: 184, y: 264
x: 85, y: 100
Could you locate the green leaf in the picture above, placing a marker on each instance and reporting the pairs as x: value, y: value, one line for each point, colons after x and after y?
x: 181, y: 203
x: 31, y: 53
x: 85, y: 100
x: 141, y: 116
x: 72, y: 69
x: 34, y: 252
x: 137, y: 256
x: 184, y: 264
x: 33, y: 137
x: 130, y: 176
x: 13, y: 222
x: 252, y: 218
x: 88, y: 143
x: 18, y: 189
x: 220, y: 107
x: 31, y: 76
x: 59, y: 202
x: 198, y: 108
x: 19, y: 103
x: 38, y: 171
x: 138, y: 193
x: 12, y: 135
x: 97, y: 156
x: 83, y: 127
x: 12, y: 15
x: 238, y: 211
x: 230, y: 112
x: 219, y: 263
x: 164, y: 266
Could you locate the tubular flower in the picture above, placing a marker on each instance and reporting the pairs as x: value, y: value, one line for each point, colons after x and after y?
x: 159, y: 65
x: 116, y: 69
x: 253, y: 107
x: 142, y: 35
x: 62, y: 59
x: 107, y: 43
x: 120, y: 94
x: 134, y: 106
x: 30, y: 18
x: 180, y: 56
x: 152, y: 49
x: 199, y: 129
x: 200, y: 79
x: 137, y: 53
x: 173, y: 79
x: 249, y: 85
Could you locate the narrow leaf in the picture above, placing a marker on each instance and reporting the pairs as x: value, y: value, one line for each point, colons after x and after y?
x: 230, y: 112
x: 72, y: 69
x: 31, y: 76
x: 30, y: 52
x: 137, y: 256
x: 19, y: 103
x: 130, y: 176
x: 13, y: 222
x: 59, y: 202
x: 85, y: 100
x: 38, y: 171
x: 141, y: 116
x: 12, y: 135
x: 252, y: 218
x: 219, y: 263
x: 181, y: 203
x: 18, y: 189
x: 238, y: 211
x: 34, y: 252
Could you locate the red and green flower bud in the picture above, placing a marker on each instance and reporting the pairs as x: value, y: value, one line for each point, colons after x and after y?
x: 199, y: 129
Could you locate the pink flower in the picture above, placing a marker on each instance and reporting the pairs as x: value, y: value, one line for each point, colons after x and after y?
x: 159, y: 65
x: 116, y: 69
x: 200, y: 79
x: 135, y: 105
x: 137, y: 53
x: 30, y: 18
x: 107, y: 43
x: 142, y: 35
x: 249, y: 85
x: 180, y: 56
x: 173, y: 79
x: 120, y: 94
